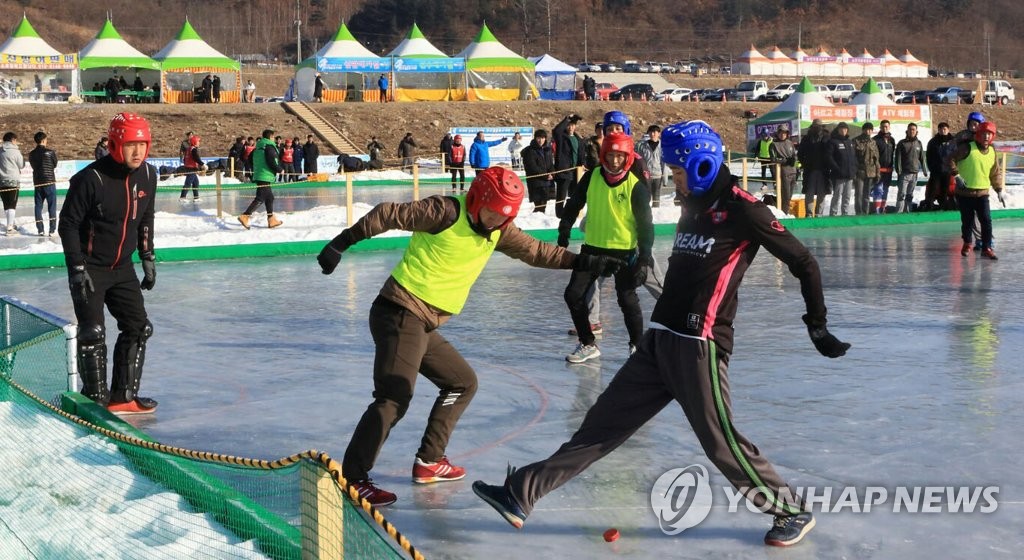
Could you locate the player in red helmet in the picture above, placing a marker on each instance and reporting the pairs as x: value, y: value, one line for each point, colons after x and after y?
x: 193, y: 165
x: 453, y: 237
x: 978, y: 167
x: 107, y: 216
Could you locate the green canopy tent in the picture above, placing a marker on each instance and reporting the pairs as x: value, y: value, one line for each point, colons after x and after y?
x: 31, y: 69
x: 496, y: 73
x: 349, y: 70
x: 109, y: 55
x: 187, y: 59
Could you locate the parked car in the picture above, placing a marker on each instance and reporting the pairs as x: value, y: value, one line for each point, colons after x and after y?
x: 651, y: 66
x: 609, y: 67
x: 588, y: 67
x: 748, y: 90
x: 631, y: 66
x: 668, y: 68
x: 601, y: 91
x: 920, y: 96
x: 887, y: 89
x: 674, y: 94
x: 999, y: 91
x: 902, y: 96
x: 713, y: 94
x: 945, y: 94
x: 841, y: 93
x: 633, y: 92
x: 780, y: 92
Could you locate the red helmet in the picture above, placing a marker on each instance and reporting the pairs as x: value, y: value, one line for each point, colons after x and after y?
x: 458, y: 138
x: 193, y: 140
x: 497, y: 189
x: 124, y: 128
x: 619, y: 142
x: 987, y: 126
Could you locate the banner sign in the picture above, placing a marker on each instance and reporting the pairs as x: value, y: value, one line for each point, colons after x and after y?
x: 332, y: 64
x: 403, y: 64
x: 20, y: 62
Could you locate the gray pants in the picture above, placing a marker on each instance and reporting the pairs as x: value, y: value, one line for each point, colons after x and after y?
x: 905, y: 191
x: 842, y: 197
x: 666, y: 368
x: 862, y: 185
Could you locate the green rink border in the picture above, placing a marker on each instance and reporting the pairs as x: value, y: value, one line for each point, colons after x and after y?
x: 292, y: 248
x: 232, y: 509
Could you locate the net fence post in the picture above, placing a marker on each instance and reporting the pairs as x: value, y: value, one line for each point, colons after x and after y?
x: 71, y: 335
x: 322, y: 513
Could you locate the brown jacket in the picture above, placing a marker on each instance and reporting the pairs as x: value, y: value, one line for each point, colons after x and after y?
x: 434, y: 215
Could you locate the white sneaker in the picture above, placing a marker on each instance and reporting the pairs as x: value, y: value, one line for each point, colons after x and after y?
x: 583, y: 352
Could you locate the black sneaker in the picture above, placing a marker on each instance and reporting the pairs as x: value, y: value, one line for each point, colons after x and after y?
x: 502, y: 501
x: 789, y: 529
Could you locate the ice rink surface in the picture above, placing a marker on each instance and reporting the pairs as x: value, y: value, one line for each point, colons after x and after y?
x: 267, y: 357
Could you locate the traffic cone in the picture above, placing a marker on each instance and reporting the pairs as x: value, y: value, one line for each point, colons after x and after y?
x: 913, y: 100
x: 723, y: 98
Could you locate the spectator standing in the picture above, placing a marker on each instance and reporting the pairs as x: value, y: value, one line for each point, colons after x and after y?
x: 137, y: 85
x: 11, y: 164
x: 568, y: 148
x: 207, y: 95
x: 185, y: 146
x: 250, y: 92
x: 456, y: 157
x: 650, y: 150
x: 382, y: 87
x: 216, y: 89
x: 936, y: 192
x: 298, y: 157
x: 515, y: 148
x: 480, y: 152
x: 813, y: 156
x: 783, y: 153
x: 102, y: 223
x: 446, y: 147
x: 44, y: 164
x: 886, y: 151
x: 592, y: 151
x: 763, y: 150
x: 619, y: 225
x: 101, y: 150
x: 236, y: 154
x: 452, y: 240
x: 376, y: 150
x: 842, y: 165
x: 287, y: 161
x: 265, y: 166
x: 909, y: 160
x: 589, y: 88
x: 407, y: 151
x: 310, y: 155
x: 318, y: 88
x: 866, y: 150
x: 250, y: 145
x: 193, y: 166
x: 978, y: 166
x: 538, y: 163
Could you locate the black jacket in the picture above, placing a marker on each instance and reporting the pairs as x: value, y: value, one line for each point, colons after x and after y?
x: 565, y: 157
x: 716, y: 239
x: 842, y: 159
x: 935, y: 152
x: 108, y: 214
x: 43, y: 161
x: 538, y: 161
x: 310, y: 153
x: 886, y: 149
x: 640, y: 202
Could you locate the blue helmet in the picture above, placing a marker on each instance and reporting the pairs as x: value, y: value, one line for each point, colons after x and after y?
x: 697, y: 148
x: 975, y: 116
x: 617, y: 117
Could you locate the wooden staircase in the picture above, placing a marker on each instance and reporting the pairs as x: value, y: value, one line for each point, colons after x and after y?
x: 325, y: 130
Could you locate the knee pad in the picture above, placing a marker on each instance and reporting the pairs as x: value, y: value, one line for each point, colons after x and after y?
x: 91, y: 335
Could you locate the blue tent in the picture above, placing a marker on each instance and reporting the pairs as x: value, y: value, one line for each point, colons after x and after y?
x: 555, y: 79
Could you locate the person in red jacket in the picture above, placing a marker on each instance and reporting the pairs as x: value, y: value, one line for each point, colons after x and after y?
x: 457, y: 162
x: 684, y: 356
x: 288, y: 161
x: 193, y: 166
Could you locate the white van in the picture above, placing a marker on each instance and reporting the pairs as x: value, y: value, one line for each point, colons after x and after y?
x: 887, y: 89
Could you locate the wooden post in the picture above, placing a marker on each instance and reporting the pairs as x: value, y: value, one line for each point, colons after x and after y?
x: 1002, y: 171
x: 745, y: 175
x: 322, y: 514
x: 442, y: 162
x: 231, y: 166
x: 778, y: 188
x: 415, y: 181
x: 348, y: 200
x: 220, y: 208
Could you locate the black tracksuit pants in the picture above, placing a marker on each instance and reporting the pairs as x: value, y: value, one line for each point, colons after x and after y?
x: 405, y: 349
x: 667, y: 367
x: 580, y: 283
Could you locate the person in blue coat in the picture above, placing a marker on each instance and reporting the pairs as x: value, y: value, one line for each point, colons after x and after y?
x: 382, y: 86
x: 479, y: 152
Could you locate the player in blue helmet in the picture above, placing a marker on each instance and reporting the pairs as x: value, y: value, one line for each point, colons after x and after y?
x: 619, y: 118
x: 684, y: 356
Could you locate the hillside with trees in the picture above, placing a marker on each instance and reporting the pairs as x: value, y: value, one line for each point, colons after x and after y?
x: 967, y: 35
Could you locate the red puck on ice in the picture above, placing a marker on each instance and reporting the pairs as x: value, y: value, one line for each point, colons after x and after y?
x: 611, y: 535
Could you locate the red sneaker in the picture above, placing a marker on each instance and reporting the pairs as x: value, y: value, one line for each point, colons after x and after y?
x: 441, y: 471
x: 989, y: 253
x: 376, y: 496
x: 140, y: 405
x: 966, y: 249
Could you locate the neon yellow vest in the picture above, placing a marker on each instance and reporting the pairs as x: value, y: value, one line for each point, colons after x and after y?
x: 441, y: 268
x: 975, y: 168
x: 764, y: 148
x: 610, y: 220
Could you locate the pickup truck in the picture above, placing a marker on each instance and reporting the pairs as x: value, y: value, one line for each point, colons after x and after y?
x: 749, y: 90
x: 841, y: 93
x: 996, y: 91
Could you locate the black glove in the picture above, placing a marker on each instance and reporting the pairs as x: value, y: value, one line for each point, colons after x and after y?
x: 641, y: 268
x: 563, y: 239
x: 148, y: 271
x: 826, y: 343
x: 602, y: 265
x: 330, y: 255
x: 81, y: 284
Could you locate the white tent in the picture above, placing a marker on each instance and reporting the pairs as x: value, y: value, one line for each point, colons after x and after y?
x: 423, y: 73
x: 31, y: 69
x: 349, y: 70
x: 555, y: 79
x: 109, y: 55
x: 187, y: 59
x: 782, y: 65
x: 913, y: 67
x: 496, y: 73
x: 752, y: 62
x: 894, y: 68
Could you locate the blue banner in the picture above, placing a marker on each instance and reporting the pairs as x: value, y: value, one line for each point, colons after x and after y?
x: 331, y: 64
x: 430, y: 64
